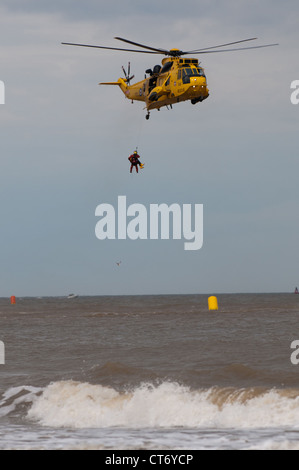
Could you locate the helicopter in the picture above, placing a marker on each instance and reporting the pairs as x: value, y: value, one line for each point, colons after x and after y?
x: 178, y: 79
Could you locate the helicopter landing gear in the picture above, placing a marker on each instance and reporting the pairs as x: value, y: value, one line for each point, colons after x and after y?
x: 147, y: 116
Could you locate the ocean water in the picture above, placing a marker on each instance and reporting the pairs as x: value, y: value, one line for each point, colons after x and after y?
x: 150, y: 372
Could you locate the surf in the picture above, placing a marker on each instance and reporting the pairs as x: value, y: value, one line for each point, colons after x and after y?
x: 167, y: 405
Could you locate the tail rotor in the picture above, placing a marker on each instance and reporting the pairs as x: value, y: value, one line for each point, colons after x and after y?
x: 127, y: 74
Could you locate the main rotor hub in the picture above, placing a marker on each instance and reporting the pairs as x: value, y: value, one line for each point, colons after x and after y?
x: 175, y: 52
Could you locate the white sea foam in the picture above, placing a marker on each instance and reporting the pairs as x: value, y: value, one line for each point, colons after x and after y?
x: 15, y: 396
x: 168, y: 405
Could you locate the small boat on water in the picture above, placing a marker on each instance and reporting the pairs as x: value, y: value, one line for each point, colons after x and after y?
x: 72, y: 296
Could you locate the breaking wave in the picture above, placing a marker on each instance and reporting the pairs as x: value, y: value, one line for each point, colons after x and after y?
x: 82, y: 405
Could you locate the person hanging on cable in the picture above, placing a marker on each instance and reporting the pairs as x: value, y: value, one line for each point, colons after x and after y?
x: 134, y: 159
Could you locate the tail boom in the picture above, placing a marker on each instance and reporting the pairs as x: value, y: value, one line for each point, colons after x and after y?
x: 132, y: 92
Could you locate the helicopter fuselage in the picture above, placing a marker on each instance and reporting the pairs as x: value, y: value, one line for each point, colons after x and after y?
x: 177, y: 80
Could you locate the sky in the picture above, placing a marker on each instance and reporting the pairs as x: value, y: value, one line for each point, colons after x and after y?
x: 65, y: 143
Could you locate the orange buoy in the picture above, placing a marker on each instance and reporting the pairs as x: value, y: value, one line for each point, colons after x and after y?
x: 13, y: 300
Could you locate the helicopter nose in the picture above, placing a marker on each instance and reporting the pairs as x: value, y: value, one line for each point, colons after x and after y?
x: 198, y: 81
x: 198, y: 84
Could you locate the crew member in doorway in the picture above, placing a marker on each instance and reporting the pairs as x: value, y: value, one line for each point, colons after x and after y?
x: 134, y: 159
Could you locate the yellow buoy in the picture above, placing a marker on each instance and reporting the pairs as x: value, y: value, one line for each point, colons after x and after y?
x: 213, y: 303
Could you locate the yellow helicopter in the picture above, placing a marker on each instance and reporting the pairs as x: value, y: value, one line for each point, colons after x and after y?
x: 178, y: 79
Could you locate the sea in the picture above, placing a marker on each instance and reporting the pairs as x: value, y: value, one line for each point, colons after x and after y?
x: 156, y: 373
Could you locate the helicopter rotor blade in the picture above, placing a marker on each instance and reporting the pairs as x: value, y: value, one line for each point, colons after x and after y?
x: 222, y: 45
x: 111, y: 48
x: 160, y: 51
x: 174, y: 52
x: 229, y: 50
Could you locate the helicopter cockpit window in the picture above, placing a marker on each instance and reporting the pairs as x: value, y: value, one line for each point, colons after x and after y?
x: 186, y: 75
x: 192, y: 72
x: 200, y: 72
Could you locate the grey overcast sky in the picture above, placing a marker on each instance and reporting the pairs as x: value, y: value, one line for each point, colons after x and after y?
x: 65, y: 143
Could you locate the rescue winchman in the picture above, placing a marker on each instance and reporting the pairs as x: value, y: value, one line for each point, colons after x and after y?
x: 135, y: 161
